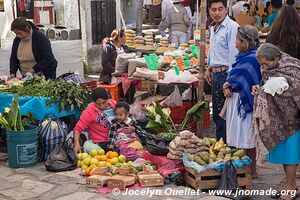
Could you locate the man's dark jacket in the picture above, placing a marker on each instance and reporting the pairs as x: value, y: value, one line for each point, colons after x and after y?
x: 42, y: 52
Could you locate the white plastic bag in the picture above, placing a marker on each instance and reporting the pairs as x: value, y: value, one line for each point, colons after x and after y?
x: 136, y: 110
x: 173, y: 99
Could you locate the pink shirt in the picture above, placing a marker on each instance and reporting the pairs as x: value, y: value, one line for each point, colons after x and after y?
x: 95, y: 122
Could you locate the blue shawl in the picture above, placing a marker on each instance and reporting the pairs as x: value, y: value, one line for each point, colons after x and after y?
x: 244, y: 74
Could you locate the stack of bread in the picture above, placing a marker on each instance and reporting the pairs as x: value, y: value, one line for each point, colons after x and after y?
x: 139, y: 41
x: 130, y: 35
x: 164, y: 42
x: 149, y: 41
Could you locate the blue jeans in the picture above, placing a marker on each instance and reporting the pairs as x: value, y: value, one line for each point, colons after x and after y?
x: 218, y: 99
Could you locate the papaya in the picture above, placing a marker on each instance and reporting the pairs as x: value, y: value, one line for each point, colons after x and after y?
x: 204, y: 156
x: 240, y: 153
x: 210, y: 161
x: 220, y: 155
x: 212, y: 156
x: 234, y: 158
x: 191, y: 157
x: 200, y: 161
x: 227, y: 157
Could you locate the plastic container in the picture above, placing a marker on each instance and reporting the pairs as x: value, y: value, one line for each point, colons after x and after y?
x: 22, y: 147
x: 113, y: 90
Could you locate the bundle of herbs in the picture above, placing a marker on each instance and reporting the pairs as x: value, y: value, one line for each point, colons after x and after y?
x: 12, y: 120
x: 67, y: 95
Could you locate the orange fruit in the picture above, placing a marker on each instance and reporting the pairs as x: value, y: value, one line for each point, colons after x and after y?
x: 92, y: 166
x: 113, y: 155
x: 108, y: 153
x: 98, y: 157
x: 101, y: 164
x: 87, y: 171
x: 103, y: 158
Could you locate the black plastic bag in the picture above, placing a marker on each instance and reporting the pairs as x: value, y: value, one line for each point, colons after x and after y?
x: 228, y: 179
x: 157, y: 145
x: 62, y: 158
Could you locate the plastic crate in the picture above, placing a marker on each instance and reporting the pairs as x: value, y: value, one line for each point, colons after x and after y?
x: 90, y: 85
x: 113, y: 89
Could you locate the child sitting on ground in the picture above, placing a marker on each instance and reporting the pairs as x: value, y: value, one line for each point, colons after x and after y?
x: 124, y: 133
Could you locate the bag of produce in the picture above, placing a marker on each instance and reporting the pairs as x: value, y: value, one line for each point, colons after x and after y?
x: 52, y: 133
x: 89, y: 145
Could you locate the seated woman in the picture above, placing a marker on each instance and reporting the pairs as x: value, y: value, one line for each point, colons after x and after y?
x: 244, y: 74
x: 277, y: 114
x: 95, y: 119
x: 31, y: 51
x: 112, y: 47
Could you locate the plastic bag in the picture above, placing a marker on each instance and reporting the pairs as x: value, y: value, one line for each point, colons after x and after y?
x: 136, y: 110
x: 52, y: 132
x: 62, y: 158
x: 157, y: 145
x: 89, y: 145
x: 122, y: 62
x: 228, y: 179
x: 173, y: 99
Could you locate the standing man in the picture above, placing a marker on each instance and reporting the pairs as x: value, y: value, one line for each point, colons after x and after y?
x: 166, y: 6
x: 221, y: 57
x: 178, y: 22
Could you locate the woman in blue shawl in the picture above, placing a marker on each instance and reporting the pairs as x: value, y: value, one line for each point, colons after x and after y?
x: 244, y: 74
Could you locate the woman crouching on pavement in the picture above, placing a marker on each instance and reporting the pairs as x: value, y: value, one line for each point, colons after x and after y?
x: 277, y: 111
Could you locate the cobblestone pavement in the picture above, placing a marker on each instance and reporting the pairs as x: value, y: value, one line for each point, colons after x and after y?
x: 37, y: 183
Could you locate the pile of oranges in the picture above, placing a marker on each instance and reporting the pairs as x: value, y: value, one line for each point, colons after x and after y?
x: 98, y: 158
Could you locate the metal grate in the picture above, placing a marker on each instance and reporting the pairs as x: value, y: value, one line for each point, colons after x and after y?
x: 103, y: 19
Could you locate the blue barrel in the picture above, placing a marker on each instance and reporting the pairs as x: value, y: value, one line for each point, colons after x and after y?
x: 22, y: 147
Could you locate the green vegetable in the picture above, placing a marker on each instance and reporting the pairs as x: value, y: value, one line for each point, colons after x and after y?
x: 67, y: 95
x: 169, y: 136
x: 195, y: 112
x: 11, y: 119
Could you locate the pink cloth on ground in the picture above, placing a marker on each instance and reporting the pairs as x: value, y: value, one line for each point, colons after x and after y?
x: 164, y: 165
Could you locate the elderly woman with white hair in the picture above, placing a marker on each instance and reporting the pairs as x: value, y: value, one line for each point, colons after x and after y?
x: 277, y: 111
x: 244, y: 74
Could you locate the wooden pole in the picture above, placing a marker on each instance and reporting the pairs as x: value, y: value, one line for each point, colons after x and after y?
x: 202, y: 58
x: 139, y: 18
x: 79, y: 19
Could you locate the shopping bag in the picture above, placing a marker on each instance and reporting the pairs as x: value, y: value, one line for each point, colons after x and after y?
x: 52, y: 132
x: 228, y: 179
x: 62, y: 158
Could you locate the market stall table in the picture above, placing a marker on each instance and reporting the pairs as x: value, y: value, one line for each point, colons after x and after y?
x: 193, y: 85
x: 35, y: 105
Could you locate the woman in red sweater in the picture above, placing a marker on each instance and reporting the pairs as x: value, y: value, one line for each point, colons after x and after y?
x: 96, y: 119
